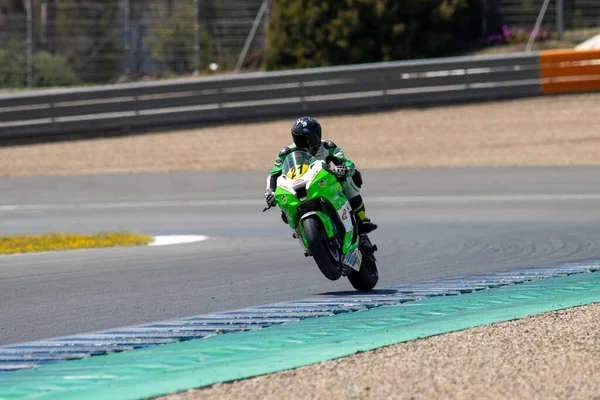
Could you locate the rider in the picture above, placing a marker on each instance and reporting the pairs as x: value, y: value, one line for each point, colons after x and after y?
x: 306, y: 133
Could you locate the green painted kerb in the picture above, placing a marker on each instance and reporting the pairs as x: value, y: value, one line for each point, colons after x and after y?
x: 175, y: 367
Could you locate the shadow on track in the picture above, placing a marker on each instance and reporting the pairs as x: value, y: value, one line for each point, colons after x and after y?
x: 351, y: 293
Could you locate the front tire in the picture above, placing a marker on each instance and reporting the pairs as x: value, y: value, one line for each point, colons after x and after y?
x: 367, y: 277
x: 319, y: 248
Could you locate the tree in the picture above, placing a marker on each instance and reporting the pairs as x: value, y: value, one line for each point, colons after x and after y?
x: 311, y: 33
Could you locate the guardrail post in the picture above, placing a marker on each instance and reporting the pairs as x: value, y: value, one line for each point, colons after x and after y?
x: 52, y: 118
x: 468, y: 83
x: 385, y: 79
x: 136, y: 102
x: 220, y: 101
x: 302, y: 95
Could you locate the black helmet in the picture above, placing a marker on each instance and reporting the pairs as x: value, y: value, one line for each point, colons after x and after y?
x: 306, y: 133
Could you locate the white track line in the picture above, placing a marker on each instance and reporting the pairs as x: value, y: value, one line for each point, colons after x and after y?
x: 239, y: 202
x: 259, y: 202
x: 176, y: 239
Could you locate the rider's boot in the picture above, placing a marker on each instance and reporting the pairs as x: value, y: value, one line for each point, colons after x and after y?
x: 364, y: 224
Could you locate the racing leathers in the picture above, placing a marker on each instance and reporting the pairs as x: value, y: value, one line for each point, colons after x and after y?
x: 344, y: 168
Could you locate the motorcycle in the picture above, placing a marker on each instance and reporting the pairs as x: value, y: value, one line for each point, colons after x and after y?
x: 313, y: 202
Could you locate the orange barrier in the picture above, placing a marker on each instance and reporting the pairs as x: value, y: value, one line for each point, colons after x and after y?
x: 564, y: 71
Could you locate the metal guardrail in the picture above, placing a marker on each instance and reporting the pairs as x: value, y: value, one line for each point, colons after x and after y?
x: 309, y: 91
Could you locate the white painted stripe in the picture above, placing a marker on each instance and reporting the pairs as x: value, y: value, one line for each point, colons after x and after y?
x: 259, y: 202
x: 176, y: 239
x: 160, y: 240
x: 485, y: 198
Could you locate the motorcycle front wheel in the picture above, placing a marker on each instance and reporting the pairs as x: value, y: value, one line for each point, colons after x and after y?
x: 318, y: 246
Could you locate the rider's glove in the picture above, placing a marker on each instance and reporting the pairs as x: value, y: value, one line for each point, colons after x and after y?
x: 340, y: 170
x: 270, y: 197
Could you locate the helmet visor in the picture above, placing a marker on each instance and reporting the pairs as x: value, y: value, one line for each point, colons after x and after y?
x: 301, y: 141
x: 307, y: 141
x: 313, y: 141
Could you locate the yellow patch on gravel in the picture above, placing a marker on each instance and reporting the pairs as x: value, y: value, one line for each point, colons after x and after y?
x: 66, y: 241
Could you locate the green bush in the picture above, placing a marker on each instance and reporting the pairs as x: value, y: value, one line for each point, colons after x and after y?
x: 313, y: 33
x: 13, y: 73
x: 48, y: 70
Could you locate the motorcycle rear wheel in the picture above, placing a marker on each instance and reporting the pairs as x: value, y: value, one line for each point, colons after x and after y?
x: 317, y: 244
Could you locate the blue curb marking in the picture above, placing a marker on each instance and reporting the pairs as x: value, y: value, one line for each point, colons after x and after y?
x: 33, y: 354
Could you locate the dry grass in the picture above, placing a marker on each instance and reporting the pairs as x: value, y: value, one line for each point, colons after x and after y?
x: 561, y: 130
x: 65, y: 241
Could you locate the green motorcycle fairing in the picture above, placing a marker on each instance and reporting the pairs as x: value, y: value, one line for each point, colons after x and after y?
x: 305, y: 180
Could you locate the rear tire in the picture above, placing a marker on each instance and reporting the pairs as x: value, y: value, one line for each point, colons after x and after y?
x: 319, y: 248
x: 366, y: 278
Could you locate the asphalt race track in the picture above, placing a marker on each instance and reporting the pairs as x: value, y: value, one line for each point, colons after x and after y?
x: 434, y: 223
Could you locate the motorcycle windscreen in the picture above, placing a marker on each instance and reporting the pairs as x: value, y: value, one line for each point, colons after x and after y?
x: 296, y: 164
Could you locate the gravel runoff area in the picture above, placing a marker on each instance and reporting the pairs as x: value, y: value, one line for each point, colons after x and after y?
x: 553, y: 130
x: 555, y: 355
x: 546, y: 356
